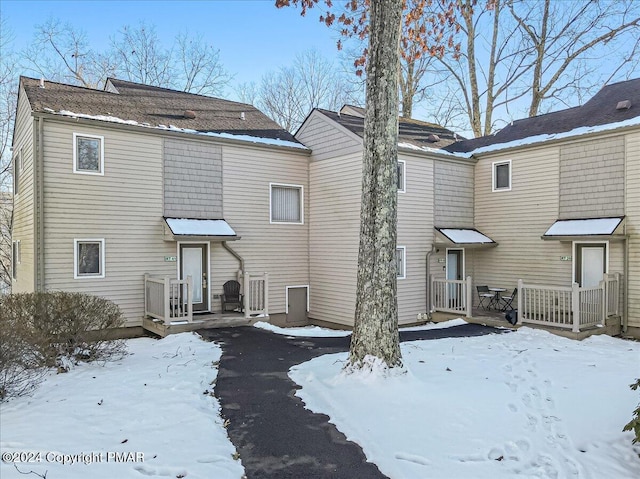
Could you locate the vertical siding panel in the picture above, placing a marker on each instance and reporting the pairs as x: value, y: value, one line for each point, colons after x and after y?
x: 632, y: 146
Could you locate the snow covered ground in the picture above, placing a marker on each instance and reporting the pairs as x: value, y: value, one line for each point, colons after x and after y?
x: 526, y: 404
x: 149, y: 414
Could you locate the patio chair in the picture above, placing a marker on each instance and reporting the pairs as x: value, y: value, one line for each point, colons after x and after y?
x: 484, y: 295
x: 231, y: 296
x: 508, y: 300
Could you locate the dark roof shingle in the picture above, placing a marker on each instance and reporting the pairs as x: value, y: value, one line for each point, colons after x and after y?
x: 154, y: 106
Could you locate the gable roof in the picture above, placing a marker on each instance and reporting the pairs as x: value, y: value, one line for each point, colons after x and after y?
x: 599, y: 110
x: 411, y: 133
x: 154, y: 107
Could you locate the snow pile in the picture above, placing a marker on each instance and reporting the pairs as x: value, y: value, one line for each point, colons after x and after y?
x: 525, y: 404
x: 151, y: 414
x: 305, y: 331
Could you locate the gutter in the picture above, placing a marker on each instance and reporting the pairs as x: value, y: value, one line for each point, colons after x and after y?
x: 428, y: 275
x: 39, y: 202
x: 625, y: 304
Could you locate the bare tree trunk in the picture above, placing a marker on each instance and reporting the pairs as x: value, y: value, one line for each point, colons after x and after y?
x: 376, y: 319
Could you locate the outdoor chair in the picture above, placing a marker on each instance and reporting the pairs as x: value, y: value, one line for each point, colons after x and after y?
x: 231, y: 296
x: 484, y: 295
x: 508, y: 300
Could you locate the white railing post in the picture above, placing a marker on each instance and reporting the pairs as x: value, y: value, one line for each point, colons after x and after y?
x: 247, y: 292
x: 521, y: 311
x: 146, y: 299
x: 604, y: 284
x: 266, y: 294
x: 189, y: 298
x: 469, y: 296
x: 167, y: 296
x: 575, y: 307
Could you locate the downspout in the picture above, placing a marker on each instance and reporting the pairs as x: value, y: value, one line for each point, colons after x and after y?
x: 625, y: 304
x: 235, y: 255
x: 39, y: 195
x: 428, y: 275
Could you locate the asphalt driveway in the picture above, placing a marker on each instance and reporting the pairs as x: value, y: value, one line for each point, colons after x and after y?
x: 273, y: 432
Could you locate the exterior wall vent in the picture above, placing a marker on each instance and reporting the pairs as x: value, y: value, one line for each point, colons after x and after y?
x: 190, y: 114
x: 623, y: 105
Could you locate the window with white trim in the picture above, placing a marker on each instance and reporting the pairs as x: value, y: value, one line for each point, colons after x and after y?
x: 15, y: 259
x: 286, y: 203
x: 501, y: 175
x: 88, y: 154
x: 88, y: 258
x: 17, y: 169
x: 402, y: 181
x: 401, y: 262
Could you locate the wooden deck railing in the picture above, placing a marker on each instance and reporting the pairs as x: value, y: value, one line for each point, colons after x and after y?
x: 168, y: 299
x: 451, y: 296
x: 256, y: 294
x: 567, y: 307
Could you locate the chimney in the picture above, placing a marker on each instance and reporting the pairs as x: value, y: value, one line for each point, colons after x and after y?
x: 623, y: 105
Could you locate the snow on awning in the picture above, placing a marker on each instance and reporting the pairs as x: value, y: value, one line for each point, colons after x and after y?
x: 211, y: 229
x: 467, y: 237
x: 568, y: 229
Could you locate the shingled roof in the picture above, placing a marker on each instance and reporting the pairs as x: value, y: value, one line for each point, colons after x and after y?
x: 602, y: 109
x: 416, y: 133
x: 152, y: 106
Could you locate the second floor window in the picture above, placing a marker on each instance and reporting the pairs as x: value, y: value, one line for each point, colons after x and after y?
x: 402, y: 166
x: 502, y: 176
x: 286, y: 204
x: 401, y: 262
x: 17, y: 168
x: 88, y: 154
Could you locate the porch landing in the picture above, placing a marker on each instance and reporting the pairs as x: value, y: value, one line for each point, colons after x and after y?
x: 200, y: 321
x: 496, y: 319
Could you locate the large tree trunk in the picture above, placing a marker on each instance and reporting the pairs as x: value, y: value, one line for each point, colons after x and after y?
x: 376, y: 320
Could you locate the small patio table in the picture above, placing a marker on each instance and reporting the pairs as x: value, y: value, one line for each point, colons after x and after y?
x: 495, y: 301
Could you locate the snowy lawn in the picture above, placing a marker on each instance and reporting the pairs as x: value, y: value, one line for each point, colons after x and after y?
x: 149, y: 414
x: 526, y: 404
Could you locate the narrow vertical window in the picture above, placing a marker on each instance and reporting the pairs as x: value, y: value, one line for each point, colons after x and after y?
x: 15, y: 259
x: 88, y: 154
x: 402, y: 167
x: 401, y: 262
x: 17, y: 168
x: 502, y: 176
x: 286, y: 204
x: 89, y: 258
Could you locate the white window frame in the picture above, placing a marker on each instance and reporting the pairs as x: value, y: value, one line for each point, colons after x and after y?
x: 494, y: 176
x: 403, y: 189
x: 76, y: 242
x: 286, y: 185
x: 75, y: 154
x: 404, y: 262
x: 17, y: 172
x: 16, y: 258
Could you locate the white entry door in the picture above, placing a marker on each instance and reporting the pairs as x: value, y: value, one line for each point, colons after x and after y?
x: 592, y: 264
x: 455, y: 271
x: 193, y: 262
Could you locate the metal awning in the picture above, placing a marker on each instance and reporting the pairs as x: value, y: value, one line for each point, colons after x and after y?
x: 585, y: 228
x: 463, y: 237
x: 205, y: 229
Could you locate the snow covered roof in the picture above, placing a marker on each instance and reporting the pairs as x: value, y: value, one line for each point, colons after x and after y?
x: 583, y: 227
x: 466, y: 236
x: 196, y: 227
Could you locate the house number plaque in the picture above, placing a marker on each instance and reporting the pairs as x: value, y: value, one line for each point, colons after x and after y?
x: 171, y: 259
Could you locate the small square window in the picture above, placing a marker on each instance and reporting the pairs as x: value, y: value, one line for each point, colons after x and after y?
x: 286, y: 204
x: 89, y: 258
x: 402, y: 167
x: 502, y: 176
x: 88, y: 154
x: 401, y: 262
